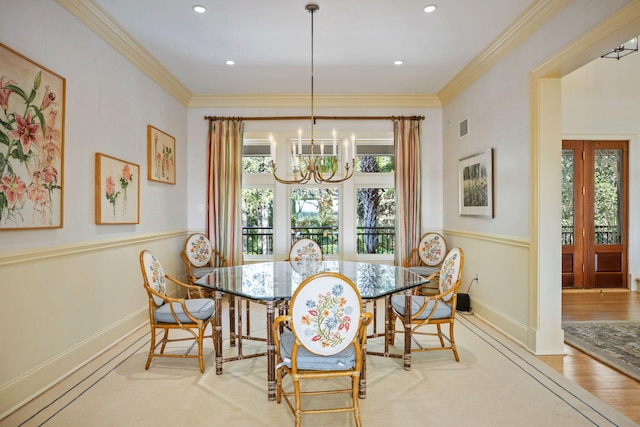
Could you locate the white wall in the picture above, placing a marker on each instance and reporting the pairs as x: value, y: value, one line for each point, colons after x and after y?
x: 498, y: 108
x: 600, y: 102
x: 68, y: 293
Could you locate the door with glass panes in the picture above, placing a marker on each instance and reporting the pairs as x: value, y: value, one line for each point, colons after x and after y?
x: 594, y: 214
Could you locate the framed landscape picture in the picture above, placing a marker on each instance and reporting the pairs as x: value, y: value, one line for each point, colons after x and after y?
x: 161, y: 162
x: 117, y: 191
x: 476, y: 184
x: 31, y: 143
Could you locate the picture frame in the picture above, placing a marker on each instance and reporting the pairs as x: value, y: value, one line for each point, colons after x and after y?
x: 117, y: 191
x: 31, y: 144
x: 476, y: 184
x: 161, y: 161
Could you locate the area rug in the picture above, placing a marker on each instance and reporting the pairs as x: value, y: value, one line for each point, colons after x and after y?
x: 615, y: 343
x: 497, y: 383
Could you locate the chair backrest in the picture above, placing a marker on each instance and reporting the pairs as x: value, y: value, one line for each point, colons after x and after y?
x: 451, y: 271
x: 198, y: 249
x: 325, y: 311
x: 432, y: 249
x: 305, y: 247
x: 153, y: 275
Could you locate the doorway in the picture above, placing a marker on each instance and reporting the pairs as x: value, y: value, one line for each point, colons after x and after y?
x: 594, y: 214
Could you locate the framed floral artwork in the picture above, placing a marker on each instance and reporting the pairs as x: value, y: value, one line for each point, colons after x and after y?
x: 161, y: 149
x: 476, y: 184
x: 117, y: 191
x: 32, y: 100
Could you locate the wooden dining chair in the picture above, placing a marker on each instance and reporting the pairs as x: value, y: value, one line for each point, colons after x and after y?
x: 426, y: 259
x: 434, y: 310
x: 323, y: 336
x: 201, y: 258
x: 167, y: 314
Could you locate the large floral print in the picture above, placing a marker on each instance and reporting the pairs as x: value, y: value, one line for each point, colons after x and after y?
x: 31, y: 143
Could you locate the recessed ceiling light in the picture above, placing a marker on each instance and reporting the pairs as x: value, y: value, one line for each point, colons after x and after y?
x: 430, y: 8
x: 199, y: 8
x: 229, y: 62
x: 398, y: 62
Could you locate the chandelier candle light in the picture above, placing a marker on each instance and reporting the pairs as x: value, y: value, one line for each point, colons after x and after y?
x: 314, y: 167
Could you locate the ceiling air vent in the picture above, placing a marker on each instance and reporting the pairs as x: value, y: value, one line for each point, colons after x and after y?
x: 463, y: 128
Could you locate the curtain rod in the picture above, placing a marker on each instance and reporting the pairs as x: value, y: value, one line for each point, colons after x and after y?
x: 212, y: 118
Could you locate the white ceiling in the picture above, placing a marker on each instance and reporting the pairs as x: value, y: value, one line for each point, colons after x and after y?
x: 356, y: 42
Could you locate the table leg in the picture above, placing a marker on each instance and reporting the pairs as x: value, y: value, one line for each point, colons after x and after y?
x: 362, y: 389
x: 218, y: 343
x: 407, y: 329
x: 271, y: 353
x: 389, y: 323
x: 232, y: 321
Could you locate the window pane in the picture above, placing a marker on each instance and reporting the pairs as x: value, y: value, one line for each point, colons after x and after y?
x: 567, y: 196
x: 256, y: 157
x: 314, y: 215
x: 376, y: 220
x: 257, y: 221
x: 375, y: 158
x: 608, y: 197
x: 256, y: 164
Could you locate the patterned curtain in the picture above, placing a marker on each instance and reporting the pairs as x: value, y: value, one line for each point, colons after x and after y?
x: 407, y: 141
x: 224, y: 196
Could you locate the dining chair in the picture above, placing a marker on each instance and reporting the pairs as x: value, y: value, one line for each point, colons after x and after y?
x: 435, y: 310
x: 305, y: 249
x: 166, y: 313
x: 201, y: 258
x: 323, y: 336
x: 426, y: 259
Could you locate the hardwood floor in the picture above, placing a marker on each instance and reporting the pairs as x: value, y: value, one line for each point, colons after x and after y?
x: 609, y: 385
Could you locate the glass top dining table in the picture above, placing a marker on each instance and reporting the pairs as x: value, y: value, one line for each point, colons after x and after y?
x: 275, y: 282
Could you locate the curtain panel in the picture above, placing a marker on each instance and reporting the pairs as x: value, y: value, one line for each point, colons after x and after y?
x: 224, y: 196
x: 408, y: 179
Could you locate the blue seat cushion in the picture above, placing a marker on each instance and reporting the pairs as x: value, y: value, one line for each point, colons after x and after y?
x: 342, y: 361
x: 442, y: 311
x: 200, y: 308
x: 200, y: 272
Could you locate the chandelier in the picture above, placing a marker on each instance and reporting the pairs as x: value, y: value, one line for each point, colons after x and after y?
x: 314, y: 166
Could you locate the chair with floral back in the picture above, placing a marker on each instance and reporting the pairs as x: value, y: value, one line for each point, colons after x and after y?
x: 167, y: 313
x: 324, y: 338
x: 302, y: 250
x: 437, y: 309
x: 200, y: 257
x: 427, y: 258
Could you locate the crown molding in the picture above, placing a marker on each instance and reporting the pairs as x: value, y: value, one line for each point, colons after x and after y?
x: 98, y: 20
x: 530, y: 20
x: 334, y: 100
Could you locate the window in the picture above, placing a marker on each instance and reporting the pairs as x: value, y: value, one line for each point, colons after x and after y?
x: 354, y: 219
x: 315, y: 216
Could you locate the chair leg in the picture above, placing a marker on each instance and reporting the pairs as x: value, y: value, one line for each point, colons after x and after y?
x: 200, y: 342
x: 151, y: 349
x: 298, y: 397
x: 355, y: 380
x: 165, y: 337
x: 440, y: 336
x: 453, y: 342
